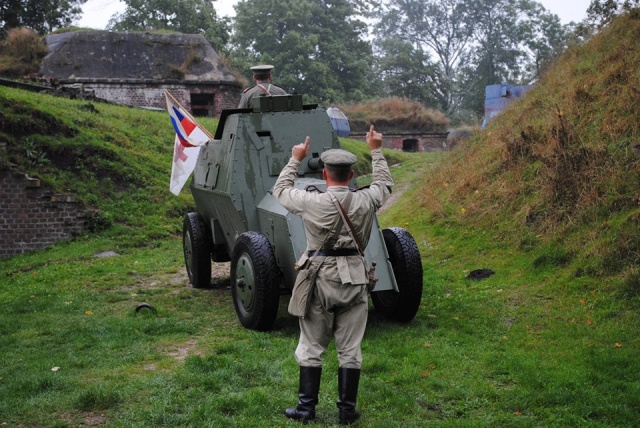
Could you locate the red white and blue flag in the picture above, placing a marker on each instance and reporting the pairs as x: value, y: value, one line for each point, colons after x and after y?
x: 190, y: 135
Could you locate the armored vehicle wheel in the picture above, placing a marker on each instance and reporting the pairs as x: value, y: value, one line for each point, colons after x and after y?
x: 197, y: 244
x: 255, y: 281
x: 407, y: 268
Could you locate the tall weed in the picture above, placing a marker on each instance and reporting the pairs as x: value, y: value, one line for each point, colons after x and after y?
x: 21, y: 52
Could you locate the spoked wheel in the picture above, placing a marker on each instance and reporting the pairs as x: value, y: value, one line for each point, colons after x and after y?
x: 407, y: 268
x: 196, y: 245
x: 255, y: 281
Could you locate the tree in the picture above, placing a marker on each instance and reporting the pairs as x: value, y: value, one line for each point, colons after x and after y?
x: 601, y: 12
x: 406, y: 71
x: 317, y: 46
x: 185, y: 16
x: 440, y: 27
x: 516, y: 40
x: 42, y: 16
x: 544, y: 38
x: 475, y: 43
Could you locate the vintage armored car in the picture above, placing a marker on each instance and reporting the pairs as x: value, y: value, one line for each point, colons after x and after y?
x: 237, y: 218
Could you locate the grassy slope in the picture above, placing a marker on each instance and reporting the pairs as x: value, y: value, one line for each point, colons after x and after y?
x: 558, y: 167
x: 115, y: 159
x: 537, y: 344
x: 548, y: 197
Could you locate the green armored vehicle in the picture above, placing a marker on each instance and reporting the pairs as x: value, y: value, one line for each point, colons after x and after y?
x: 239, y: 220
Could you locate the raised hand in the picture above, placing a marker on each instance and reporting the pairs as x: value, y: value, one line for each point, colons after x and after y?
x: 373, y: 139
x: 300, y: 151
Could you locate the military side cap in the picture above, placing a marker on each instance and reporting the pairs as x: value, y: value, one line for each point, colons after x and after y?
x: 338, y: 158
x: 262, y: 69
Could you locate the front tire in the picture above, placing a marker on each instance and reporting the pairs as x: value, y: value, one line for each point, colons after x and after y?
x: 255, y: 281
x: 196, y: 245
x: 405, y: 260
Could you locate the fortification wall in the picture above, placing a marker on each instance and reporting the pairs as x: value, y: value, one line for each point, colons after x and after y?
x: 32, y: 217
x: 151, y: 94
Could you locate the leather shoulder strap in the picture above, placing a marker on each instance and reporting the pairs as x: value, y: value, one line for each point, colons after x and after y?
x: 346, y: 220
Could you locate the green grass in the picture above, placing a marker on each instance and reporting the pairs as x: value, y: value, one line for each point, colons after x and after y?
x: 530, y: 346
x: 549, y: 340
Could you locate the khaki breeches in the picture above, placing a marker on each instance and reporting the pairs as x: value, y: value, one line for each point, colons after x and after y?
x: 339, y: 311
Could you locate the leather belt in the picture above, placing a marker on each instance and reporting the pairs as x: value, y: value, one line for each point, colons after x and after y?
x: 339, y: 252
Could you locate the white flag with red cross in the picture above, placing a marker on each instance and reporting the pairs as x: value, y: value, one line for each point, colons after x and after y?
x: 190, y: 135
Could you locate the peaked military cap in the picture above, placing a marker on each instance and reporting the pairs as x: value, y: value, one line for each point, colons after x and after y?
x: 338, y: 158
x: 262, y: 69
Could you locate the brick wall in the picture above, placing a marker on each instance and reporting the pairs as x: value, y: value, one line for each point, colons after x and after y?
x: 227, y: 98
x: 151, y: 94
x: 424, y: 142
x: 32, y: 217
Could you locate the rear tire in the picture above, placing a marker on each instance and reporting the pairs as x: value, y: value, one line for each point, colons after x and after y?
x: 196, y: 245
x: 255, y: 281
x: 405, y: 260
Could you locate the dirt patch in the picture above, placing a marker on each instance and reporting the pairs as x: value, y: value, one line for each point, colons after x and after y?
x: 220, y: 274
x: 181, y: 352
x: 176, y: 282
x: 84, y: 419
x: 397, y: 192
x: 95, y: 420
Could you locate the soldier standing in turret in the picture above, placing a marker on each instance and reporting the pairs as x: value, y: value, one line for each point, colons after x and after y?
x: 263, y: 87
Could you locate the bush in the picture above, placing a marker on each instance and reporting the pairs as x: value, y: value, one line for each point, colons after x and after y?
x: 394, y: 113
x: 21, y: 52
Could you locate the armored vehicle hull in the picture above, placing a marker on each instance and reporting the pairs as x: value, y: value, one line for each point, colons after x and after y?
x: 238, y: 219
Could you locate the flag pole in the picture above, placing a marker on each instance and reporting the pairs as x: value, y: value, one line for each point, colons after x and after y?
x: 168, y: 94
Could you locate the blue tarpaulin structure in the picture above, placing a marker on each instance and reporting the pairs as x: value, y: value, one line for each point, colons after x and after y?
x: 498, y: 97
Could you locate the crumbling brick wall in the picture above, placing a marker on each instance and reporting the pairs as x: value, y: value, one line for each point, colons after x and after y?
x: 151, y: 94
x: 33, y: 217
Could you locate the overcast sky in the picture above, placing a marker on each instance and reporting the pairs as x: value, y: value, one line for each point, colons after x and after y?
x: 97, y: 12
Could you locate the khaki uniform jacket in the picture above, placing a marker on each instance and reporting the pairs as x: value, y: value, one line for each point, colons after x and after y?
x: 320, y: 214
x: 246, y: 101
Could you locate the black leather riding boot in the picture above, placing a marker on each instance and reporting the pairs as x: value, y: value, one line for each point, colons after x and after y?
x: 307, y: 395
x: 348, y: 380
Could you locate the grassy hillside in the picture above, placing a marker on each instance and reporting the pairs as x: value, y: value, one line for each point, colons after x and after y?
x: 117, y: 160
x: 558, y: 168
